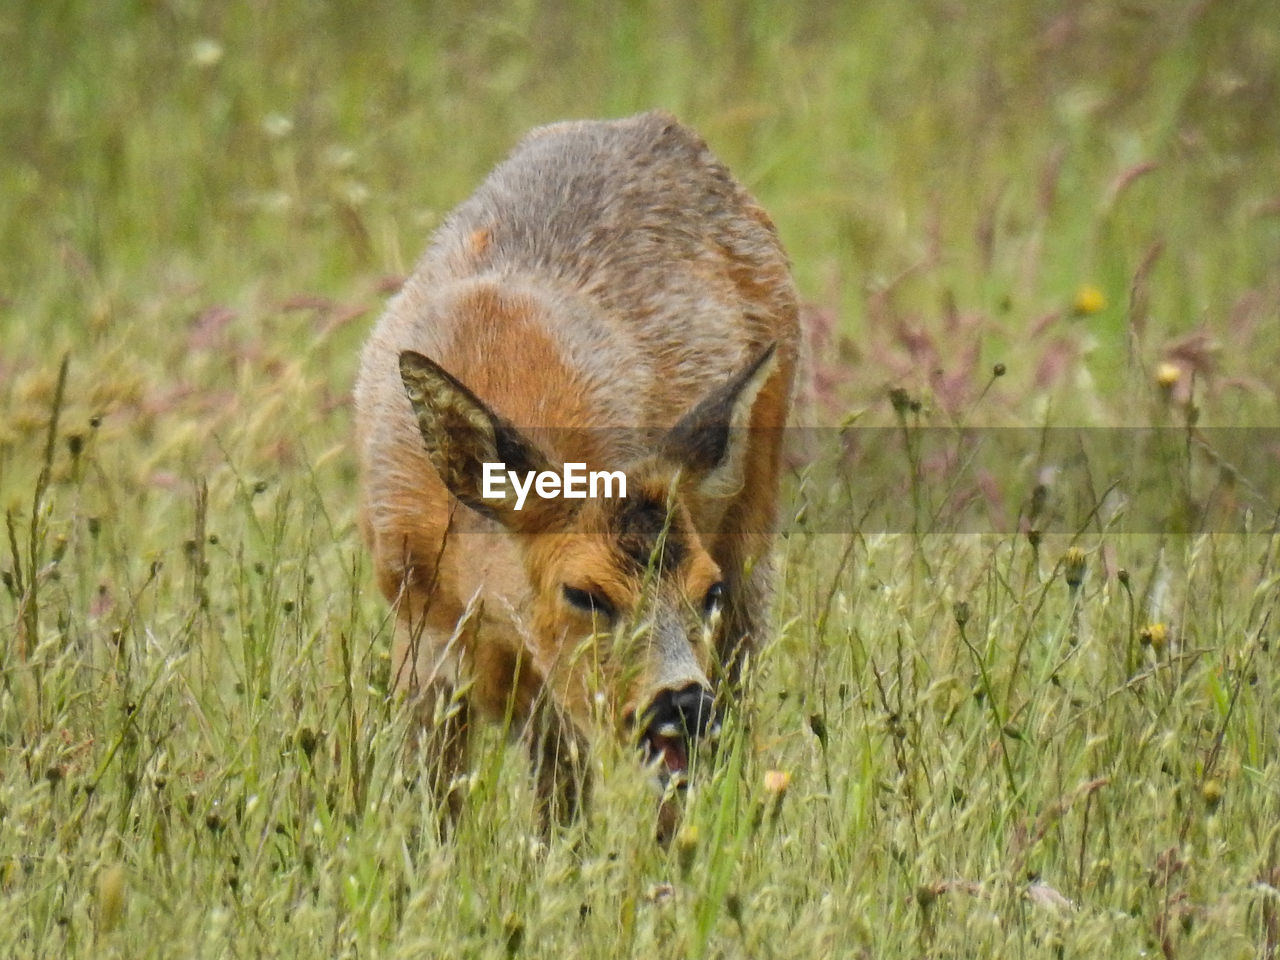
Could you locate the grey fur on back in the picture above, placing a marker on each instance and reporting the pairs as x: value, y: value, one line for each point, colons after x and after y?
x: 629, y: 225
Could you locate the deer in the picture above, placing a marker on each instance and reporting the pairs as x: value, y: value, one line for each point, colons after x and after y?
x: 610, y: 299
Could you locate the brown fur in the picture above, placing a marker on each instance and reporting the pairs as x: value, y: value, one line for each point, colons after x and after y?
x: 601, y: 282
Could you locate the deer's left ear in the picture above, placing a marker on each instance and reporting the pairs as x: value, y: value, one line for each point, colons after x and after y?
x: 709, y: 443
x: 462, y: 434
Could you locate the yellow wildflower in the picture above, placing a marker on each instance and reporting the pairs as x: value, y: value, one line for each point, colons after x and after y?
x: 1073, y: 565
x: 1155, y: 636
x: 776, y: 782
x: 1089, y: 300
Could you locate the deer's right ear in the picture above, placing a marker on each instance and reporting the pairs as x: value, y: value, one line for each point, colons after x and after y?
x: 462, y: 434
x: 709, y: 442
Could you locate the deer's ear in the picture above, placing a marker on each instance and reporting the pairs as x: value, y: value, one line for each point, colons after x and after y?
x: 709, y: 443
x: 462, y: 434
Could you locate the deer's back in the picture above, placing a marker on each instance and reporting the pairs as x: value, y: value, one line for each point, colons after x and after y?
x: 659, y: 272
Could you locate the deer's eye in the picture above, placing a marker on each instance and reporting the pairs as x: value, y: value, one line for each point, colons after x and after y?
x: 714, y: 600
x: 588, y: 602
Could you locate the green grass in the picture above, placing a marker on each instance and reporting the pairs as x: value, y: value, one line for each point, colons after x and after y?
x: 203, y: 206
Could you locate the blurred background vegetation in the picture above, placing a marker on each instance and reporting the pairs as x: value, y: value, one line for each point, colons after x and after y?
x: 161, y: 158
x: 205, y: 205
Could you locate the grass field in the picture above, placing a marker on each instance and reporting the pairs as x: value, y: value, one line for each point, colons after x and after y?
x: 988, y: 744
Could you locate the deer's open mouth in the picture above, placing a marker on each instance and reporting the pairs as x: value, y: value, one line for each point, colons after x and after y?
x: 676, y: 725
x: 668, y: 743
